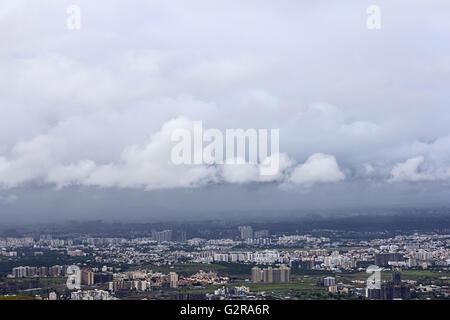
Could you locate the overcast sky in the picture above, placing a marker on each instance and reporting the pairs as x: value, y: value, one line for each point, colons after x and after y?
x: 87, y: 114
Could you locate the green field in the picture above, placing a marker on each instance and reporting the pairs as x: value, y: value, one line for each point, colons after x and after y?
x: 42, y: 281
x: 299, y: 288
x: 17, y: 298
x: 243, y: 271
x: 422, y: 276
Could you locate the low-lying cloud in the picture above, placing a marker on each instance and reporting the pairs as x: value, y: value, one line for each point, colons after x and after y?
x: 95, y: 107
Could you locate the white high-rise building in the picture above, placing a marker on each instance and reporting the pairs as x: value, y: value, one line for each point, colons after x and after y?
x: 19, y: 272
x: 246, y: 232
x: 173, y: 280
x: 329, y: 281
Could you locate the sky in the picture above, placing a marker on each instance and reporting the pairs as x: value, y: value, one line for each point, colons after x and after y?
x: 86, y: 114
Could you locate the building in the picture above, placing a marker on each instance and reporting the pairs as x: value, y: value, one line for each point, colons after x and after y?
x: 221, y: 257
x: 103, y: 277
x: 329, y: 281
x: 32, y: 271
x: 302, y: 264
x: 373, y: 293
x: 259, y: 241
x: 19, y: 272
x: 395, y: 289
x: 422, y: 255
x: 267, y: 276
x: 173, y: 280
x: 87, y: 277
x: 256, y: 275
x: 90, y: 295
x: 140, y: 285
x: 246, y: 232
x: 383, y: 259
x: 332, y: 289
x: 391, y: 290
x: 55, y: 271
x: 162, y: 236
x: 182, y: 236
x: 261, y: 234
x: 271, y: 275
x: 43, y: 271
x: 116, y: 285
x: 285, y: 273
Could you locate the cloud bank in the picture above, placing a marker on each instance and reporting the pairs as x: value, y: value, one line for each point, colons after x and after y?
x: 95, y: 107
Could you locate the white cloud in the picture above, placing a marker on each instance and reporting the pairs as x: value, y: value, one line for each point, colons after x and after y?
x: 285, y: 164
x: 30, y: 160
x: 318, y: 168
x: 246, y: 173
x: 240, y: 173
x: 416, y: 169
x: 71, y: 174
x: 147, y: 166
x: 410, y: 170
x: 78, y: 107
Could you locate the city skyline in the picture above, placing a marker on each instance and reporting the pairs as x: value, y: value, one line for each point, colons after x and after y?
x: 224, y: 262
